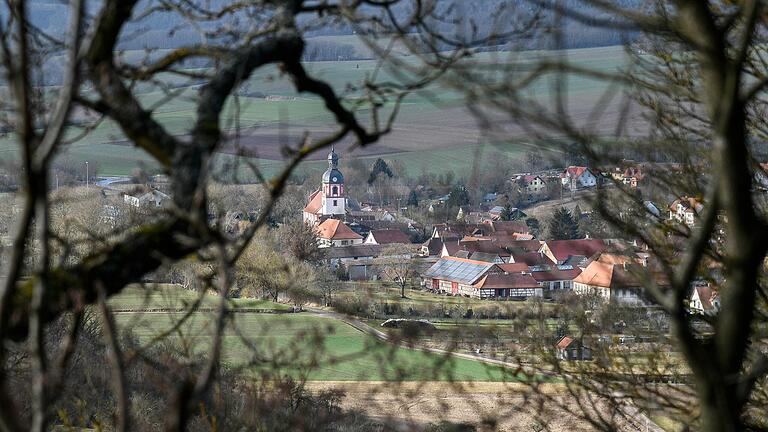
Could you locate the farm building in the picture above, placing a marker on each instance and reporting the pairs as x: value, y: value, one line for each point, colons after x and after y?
x: 456, y: 275
x: 571, y: 349
x: 496, y: 284
x: 480, y: 279
x: 357, y: 259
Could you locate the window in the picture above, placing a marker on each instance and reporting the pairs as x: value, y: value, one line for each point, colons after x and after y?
x: 335, y: 191
x: 335, y: 202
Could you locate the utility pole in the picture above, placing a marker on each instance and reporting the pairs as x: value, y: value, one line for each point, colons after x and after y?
x: 86, y: 174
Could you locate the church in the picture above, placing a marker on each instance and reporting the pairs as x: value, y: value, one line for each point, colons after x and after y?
x: 330, y: 201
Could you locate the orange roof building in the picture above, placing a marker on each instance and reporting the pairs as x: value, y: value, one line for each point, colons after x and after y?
x: 333, y: 232
x: 615, y: 278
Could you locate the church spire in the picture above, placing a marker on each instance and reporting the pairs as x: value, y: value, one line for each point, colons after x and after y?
x: 333, y: 159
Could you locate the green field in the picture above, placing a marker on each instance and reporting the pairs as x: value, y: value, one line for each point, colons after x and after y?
x: 434, y: 133
x: 302, y: 345
x: 169, y: 296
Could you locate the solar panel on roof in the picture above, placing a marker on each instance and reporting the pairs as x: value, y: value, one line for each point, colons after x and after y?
x: 457, y: 271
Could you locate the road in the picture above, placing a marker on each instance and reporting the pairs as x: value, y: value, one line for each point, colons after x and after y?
x: 105, y: 182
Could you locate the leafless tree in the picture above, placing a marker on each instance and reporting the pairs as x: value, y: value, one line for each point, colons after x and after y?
x: 691, y: 92
x: 396, y: 265
x: 98, y: 83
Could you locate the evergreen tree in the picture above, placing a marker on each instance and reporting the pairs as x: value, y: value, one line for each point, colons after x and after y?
x: 413, y: 199
x: 459, y: 196
x: 562, y: 225
x: 534, y: 226
x: 379, y: 167
x: 508, y: 213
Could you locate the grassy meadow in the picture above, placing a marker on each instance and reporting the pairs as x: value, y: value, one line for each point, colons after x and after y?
x: 302, y: 345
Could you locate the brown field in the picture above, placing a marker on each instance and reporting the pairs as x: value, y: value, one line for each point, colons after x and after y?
x: 488, y: 406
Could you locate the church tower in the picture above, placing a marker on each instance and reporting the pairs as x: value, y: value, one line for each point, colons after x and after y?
x: 334, y: 201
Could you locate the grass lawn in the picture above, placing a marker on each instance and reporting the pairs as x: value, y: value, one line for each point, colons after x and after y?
x: 307, y: 346
x: 310, y: 347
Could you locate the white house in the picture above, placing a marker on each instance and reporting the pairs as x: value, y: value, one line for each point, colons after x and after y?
x: 704, y: 300
x: 146, y: 198
x: 578, y: 177
x: 685, y: 210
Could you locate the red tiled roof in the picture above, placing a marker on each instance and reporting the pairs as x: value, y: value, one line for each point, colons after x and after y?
x: 434, y: 245
x: 689, y: 203
x: 334, y: 229
x: 507, y: 280
x: 524, y: 245
x: 509, y: 227
x: 315, y: 202
x: 513, y: 267
x: 574, y: 171
x: 484, y: 246
x: 562, y: 249
x: 565, y: 342
x: 706, y: 296
x: 531, y: 258
x: 389, y: 236
x: 556, y: 274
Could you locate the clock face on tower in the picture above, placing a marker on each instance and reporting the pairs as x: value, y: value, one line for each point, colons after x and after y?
x: 335, y: 179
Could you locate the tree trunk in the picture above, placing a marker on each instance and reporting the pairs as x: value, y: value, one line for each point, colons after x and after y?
x: 720, y: 411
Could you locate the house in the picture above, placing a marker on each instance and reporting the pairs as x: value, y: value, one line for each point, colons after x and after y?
x: 486, y: 257
x: 632, y: 176
x: 704, y: 300
x: 432, y: 247
x: 146, y: 197
x: 556, y: 278
x: 530, y: 258
x: 479, y: 279
x: 357, y: 259
x: 456, y: 275
x: 559, y: 251
x: 330, y: 200
x: 386, y: 236
x: 685, y: 210
x: 495, y: 212
x: 490, y: 197
x: 532, y: 187
x: 572, y: 349
x: 333, y: 232
x: 576, y: 177
x: 518, y: 244
x: 611, y: 278
x: 500, y: 284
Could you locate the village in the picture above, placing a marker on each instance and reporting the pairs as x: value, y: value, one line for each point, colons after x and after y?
x: 490, y: 252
